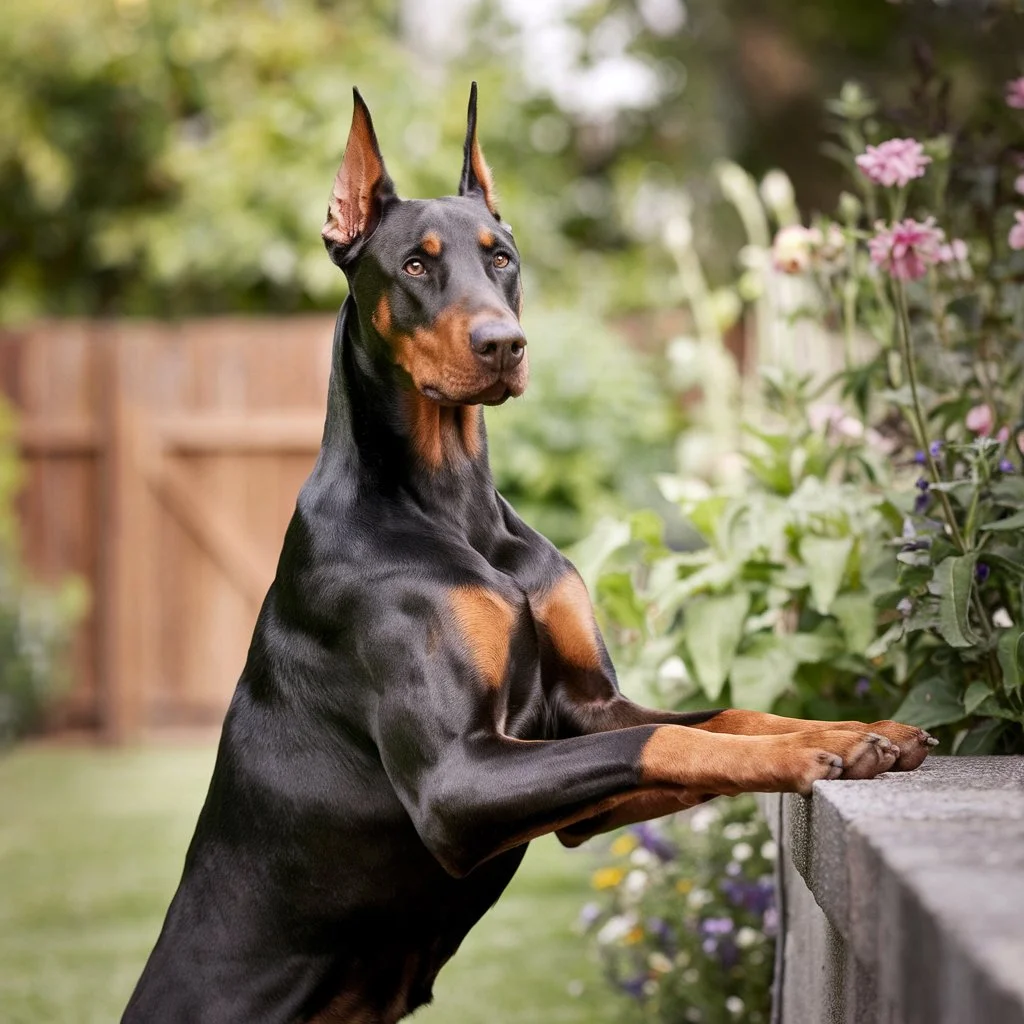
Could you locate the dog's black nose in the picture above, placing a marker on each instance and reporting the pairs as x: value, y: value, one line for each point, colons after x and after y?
x: 498, y: 344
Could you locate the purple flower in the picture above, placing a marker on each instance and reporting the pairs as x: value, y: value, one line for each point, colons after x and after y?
x: 921, y: 503
x: 1005, y: 466
x: 650, y: 838
x: 935, y: 448
x: 716, y: 925
x: 709, y: 946
x: 895, y: 162
x: 862, y: 687
x: 919, y: 458
x: 922, y: 484
x: 634, y: 986
x: 771, y: 921
x: 981, y: 572
x: 905, y: 606
x: 589, y: 913
x: 728, y: 954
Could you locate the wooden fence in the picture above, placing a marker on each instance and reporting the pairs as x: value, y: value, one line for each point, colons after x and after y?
x: 163, y: 463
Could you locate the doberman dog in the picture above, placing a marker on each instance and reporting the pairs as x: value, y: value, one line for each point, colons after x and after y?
x: 426, y: 690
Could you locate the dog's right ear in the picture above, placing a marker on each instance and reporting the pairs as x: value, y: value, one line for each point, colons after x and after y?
x: 362, y: 188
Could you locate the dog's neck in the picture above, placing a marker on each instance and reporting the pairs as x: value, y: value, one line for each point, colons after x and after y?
x: 379, y: 429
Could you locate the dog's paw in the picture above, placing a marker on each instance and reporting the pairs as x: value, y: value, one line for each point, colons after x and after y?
x: 914, y: 744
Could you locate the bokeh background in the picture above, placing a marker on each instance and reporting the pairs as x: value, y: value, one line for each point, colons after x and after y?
x: 166, y: 309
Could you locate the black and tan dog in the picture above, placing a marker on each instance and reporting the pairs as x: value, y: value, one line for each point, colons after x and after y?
x: 426, y: 689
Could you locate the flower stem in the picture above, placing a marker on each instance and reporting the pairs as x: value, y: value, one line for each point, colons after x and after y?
x: 918, y: 420
x: 919, y: 424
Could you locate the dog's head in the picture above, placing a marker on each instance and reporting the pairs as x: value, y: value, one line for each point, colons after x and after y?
x: 436, y: 281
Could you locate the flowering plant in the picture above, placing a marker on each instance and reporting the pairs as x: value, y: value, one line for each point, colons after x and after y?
x: 685, y: 919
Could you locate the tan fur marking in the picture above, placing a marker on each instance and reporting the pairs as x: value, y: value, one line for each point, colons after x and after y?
x: 470, y: 418
x: 443, y: 433
x: 568, y: 617
x: 381, y: 317
x: 483, y: 175
x: 431, y: 243
x: 486, y: 237
x: 485, y: 620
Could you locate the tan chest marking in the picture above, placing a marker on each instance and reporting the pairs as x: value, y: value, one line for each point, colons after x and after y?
x: 485, y: 620
x: 567, y: 616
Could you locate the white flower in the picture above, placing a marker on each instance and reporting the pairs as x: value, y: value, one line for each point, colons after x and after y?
x: 691, y: 976
x: 659, y: 962
x: 733, y: 831
x: 742, y: 852
x: 769, y: 850
x: 693, y: 1015
x: 791, y: 250
x: 642, y: 858
x: 635, y: 883
x: 616, y: 928
x: 575, y: 988
x: 673, y: 670
x: 734, y: 1005
x: 650, y: 987
x: 1001, y: 619
x: 777, y: 191
x: 703, y: 818
x: 699, y: 898
x: 746, y: 937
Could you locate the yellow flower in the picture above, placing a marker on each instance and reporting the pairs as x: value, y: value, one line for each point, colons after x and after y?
x: 607, y: 878
x: 633, y: 936
x: 624, y: 845
x: 684, y: 885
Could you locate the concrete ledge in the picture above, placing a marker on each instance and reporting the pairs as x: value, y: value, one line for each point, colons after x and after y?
x: 904, y: 896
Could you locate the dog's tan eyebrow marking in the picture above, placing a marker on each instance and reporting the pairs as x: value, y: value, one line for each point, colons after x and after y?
x: 431, y: 243
x: 486, y: 238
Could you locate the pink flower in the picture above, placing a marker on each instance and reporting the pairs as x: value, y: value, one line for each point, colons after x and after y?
x: 955, y: 251
x: 980, y: 420
x: 907, y: 249
x: 1004, y: 435
x: 894, y: 162
x: 1018, y: 184
x: 1016, y: 238
x: 1015, y: 93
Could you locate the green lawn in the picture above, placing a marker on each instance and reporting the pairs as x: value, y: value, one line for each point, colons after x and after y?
x: 91, y: 845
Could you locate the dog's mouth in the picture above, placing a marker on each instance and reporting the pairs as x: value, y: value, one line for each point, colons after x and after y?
x: 496, y: 393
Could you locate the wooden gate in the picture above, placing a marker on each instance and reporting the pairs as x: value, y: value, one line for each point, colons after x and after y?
x: 163, y: 464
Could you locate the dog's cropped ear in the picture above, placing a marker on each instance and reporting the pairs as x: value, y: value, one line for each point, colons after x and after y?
x: 476, y: 175
x: 362, y: 188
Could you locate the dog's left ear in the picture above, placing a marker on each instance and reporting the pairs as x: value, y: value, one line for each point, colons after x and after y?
x: 476, y: 175
x: 362, y: 188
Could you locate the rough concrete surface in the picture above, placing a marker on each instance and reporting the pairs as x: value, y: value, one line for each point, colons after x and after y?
x: 904, y: 896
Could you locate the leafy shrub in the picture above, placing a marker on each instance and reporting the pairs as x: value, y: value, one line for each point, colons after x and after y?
x: 685, y: 922
x: 594, y: 426
x: 35, y: 622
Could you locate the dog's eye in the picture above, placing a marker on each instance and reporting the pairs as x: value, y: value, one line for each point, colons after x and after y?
x: 414, y: 268
x: 500, y: 260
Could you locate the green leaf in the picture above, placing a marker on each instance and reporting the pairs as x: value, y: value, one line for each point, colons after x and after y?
x: 975, y: 696
x: 1014, y: 522
x: 857, y: 619
x: 1009, y: 492
x: 617, y: 599
x: 808, y: 648
x: 825, y: 558
x: 1010, y: 650
x: 712, y: 629
x: 954, y: 577
x: 761, y: 675
x: 982, y: 739
x: 593, y: 552
x: 934, y: 702
x: 648, y: 527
